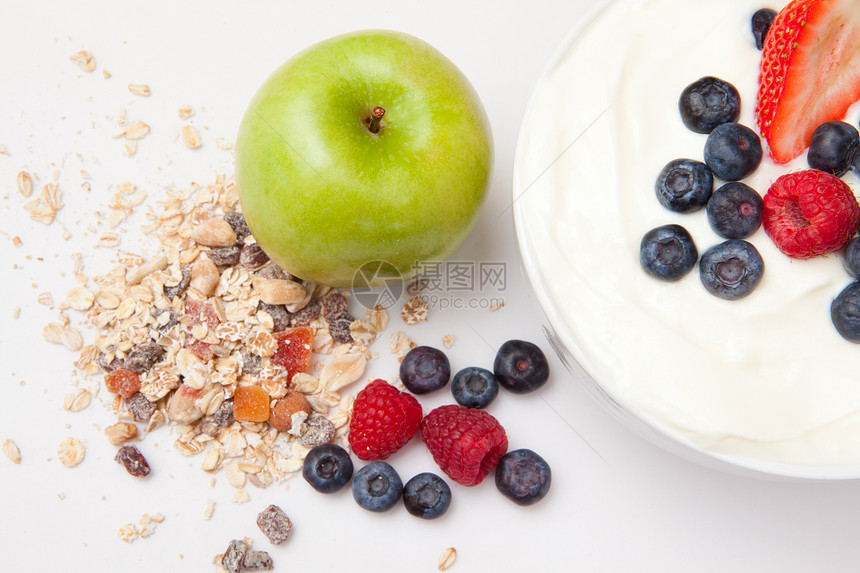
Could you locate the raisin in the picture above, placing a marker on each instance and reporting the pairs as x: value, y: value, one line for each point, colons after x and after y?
x: 172, y: 291
x: 280, y: 315
x: 122, y: 381
x: 281, y: 417
x: 144, y: 357
x: 234, y: 557
x: 294, y: 350
x: 274, y: 524
x: 339, y: 329
x: 237, y: 222
x: 253, y: 257
x: 273, y: 271
x: 223, y: 416
x: 140, y: 407
x: 114, y: 364
x: 224, y: 256
x: 133, y: 461
x: 319, y: 431
x: 334, y: 306
x: 306, y: 315
x: 250, y: 363
x: 250, y: 404
x: 258, y: 560
x: 172, y: 320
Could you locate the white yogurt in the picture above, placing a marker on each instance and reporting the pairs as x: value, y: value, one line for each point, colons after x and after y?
x: 763, y: 381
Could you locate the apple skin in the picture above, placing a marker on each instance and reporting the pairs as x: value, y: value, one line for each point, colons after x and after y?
x: 323, y: 195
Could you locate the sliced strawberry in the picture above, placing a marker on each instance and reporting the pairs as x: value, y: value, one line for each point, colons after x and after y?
x: 810, y: 72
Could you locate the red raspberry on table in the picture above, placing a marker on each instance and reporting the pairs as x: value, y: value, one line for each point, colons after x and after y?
x: 466, y: 443
x: 810, y: 213
x: 383, y: 420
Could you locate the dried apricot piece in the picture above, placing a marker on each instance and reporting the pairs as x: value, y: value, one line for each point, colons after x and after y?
x: 122, y: 381
x: 250, y: 404
x: 294, y: 349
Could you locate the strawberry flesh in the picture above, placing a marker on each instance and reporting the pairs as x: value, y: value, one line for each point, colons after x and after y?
x: 810, y: 72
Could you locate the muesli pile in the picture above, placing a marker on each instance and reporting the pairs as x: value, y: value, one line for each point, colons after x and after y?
x: 200, y: 336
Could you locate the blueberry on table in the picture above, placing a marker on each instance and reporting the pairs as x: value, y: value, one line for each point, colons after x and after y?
x: 684, y: 185
x: 761, y: 22
x: 851, y: 257
x: 668, y: 252
x: 327, y: 468
x: 731, y: 270
x: 523, y: 476
x: 474, y: 387
x: 377, y: 486
x: 520, y: 366
x: 833, y: 147
x: 735, y: 210
x: 425, y: 369
x: 845, y: 312
x: 709, y: 102
x: 426, y: 496
x: 733, y: 151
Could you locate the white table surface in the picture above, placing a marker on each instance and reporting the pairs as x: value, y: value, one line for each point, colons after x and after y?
x: 617, y: 502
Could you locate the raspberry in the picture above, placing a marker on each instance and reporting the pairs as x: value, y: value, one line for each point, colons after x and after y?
x: 383, y: 420
x: 466, y: 443
x: 810, y: 213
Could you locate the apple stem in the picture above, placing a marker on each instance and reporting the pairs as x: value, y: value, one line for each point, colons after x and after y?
x: 373, y: 122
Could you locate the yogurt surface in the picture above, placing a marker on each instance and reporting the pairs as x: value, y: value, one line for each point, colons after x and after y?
x: 765, y: 381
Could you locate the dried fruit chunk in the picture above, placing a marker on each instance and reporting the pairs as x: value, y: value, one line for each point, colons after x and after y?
x: 294, y: 350
x: 144, y: 357
x: 250, y: 404
x: 234, y: 557
x: 140, y: 407
x: 133, y: 461
x: 201, y: 313
x: 122, y: 381
x: 274, y: 524
x: 282, y: 414
x: 318, y: 431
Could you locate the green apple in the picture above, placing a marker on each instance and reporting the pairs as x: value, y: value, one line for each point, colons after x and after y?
x: 371, y: 146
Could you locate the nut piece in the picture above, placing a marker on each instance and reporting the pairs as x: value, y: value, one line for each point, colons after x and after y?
x: 204, y: 275
x: 215, y: 232
x: 11, y: 451
x: 278, y: 291
x: 71, y: 452
x: 282, y: 414
x: 446, y: 560
x: 274, y: 524
x: 120, y: 432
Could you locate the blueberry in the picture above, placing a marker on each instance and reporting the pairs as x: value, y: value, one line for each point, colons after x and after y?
x: 377, y: 487
x: 832, y: 147
x: 474, y: 387
x: 327, y: 468
x: 668, y: 252
x: 845, y: 312
x: 851, y: 257
x: 523, y: 476
x: 426, y: 496
x: 520, y: 366
x: 684, y: 185
x: 425, y: 369
x: 731, y: 270
x: 761, y: 22
x: 733, y: 151
x: 735, y: 210
x: 708, y: 102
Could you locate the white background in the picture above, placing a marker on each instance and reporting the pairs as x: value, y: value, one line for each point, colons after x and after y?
x: 617, y: 502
